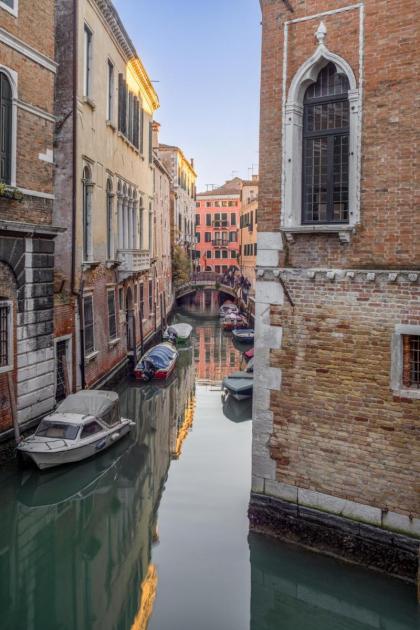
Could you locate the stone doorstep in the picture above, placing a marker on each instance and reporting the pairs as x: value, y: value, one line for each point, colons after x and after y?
x: 351, y: 541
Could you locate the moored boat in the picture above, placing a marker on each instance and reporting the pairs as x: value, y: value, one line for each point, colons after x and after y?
x: 83, y: 425
x: 178, y: 333
x: 239, y: 385
x: 234, y: 321
x: 249, y: 354
x: 243, y: 335
x: 158, y: 363
x: 228, y: 307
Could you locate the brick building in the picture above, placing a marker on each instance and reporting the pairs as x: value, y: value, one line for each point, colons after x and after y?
x: 27, y: 72
x: 216, y: 227
x: 104, y: 188
x: 248, y: 226
x: 336, y: 446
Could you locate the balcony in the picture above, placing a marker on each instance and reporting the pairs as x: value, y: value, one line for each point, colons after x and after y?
x: 219, y: 224
x: 133, y: 261
x: 220, y: 243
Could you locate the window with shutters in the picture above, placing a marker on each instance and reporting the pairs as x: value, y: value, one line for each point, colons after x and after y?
x: 109, y: 220
x: 150, y: 143
x: 110, y: 96
x: 141, y: 300
x: 129, y: 114
x: 112, y: 320
x: 150, y: 297
x: 88, y: 325
x: 87, y: 214
x: 6, y: 121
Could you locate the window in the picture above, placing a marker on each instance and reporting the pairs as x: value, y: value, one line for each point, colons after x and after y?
x: 326, y: 149
x: 112, y: 320
x: 224, y: 204
x: 109, y: 217
x: 57, y: 430
x: 232, y: 237
x: 150, y: 296
x: 217, y: 253
x: 141, y: 300
x: 232, y: 218
x: 255, y: 249
x: 5, y: 129
x: 208, y: 254
x: 208, y: 204
x: 233, y: 253
x: 197, y: 219
x: 217, y: 204
x: 6, y: 336
x: 88, y: 62
x: 207, y: 237
x: 197, y: 237
x: 129, y: 114
x: 9, y: 5
x: 224, y: 253
x: 121, y: 298
x: 150, y: 143
x: 89, y: 337
x: 197, y: 205
x: 87, y: 213
x: 217, y: 268
x: 110, y: 102
x: 91, y: 428
x: 411, y: 361
x: 208, y: 219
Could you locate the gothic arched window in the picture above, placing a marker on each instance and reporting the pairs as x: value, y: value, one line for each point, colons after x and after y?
x: 5, y: 129
x: 326, y: 135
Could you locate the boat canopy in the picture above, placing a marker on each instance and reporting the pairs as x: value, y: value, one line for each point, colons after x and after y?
x: 98, y: 403
x: 160, y: 356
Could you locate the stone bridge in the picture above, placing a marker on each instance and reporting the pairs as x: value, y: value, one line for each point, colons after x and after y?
x: 205, y: 280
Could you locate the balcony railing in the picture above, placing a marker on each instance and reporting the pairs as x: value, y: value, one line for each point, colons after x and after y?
x: 220, y: 243
x: 133, y: 261
x: 220, y: 223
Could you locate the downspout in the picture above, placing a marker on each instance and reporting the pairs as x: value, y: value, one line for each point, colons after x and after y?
x: 78, y: 294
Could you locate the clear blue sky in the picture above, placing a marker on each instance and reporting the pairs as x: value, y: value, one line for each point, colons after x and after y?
x: 206, y: 56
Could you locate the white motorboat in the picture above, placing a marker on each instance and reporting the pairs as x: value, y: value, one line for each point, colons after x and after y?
x: 178, y: 333
x: 83, y: 425
x: 228, y: 307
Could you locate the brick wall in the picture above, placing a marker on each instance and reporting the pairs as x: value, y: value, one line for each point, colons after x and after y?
x: 338, y: 427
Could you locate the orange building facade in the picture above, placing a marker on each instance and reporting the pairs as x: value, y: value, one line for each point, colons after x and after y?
x: 217, y: 228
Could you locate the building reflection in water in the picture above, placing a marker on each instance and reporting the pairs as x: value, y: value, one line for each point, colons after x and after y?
x: 76, y: 542
x: 295, y: 589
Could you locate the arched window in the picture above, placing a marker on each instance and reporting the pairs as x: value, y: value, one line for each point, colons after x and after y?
x: 109, y: 220
x: 87, y: 213
x: 326, y: 130
x: 6, y: 119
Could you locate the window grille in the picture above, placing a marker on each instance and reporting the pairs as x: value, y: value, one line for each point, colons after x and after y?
x: 411, y: 361
x: 88, y: 325
x: 326, y: 131
x: 4, y: 335
x: 61, y: 358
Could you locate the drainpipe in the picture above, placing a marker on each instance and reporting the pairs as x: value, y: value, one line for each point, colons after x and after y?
x: 78, y: 294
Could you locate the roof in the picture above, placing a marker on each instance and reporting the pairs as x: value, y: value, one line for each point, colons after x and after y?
x: 231, y: 187
x: 118, y: 29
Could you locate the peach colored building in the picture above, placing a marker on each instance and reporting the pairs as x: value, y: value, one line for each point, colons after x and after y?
x: 216, y: 227
x: 248, y: 232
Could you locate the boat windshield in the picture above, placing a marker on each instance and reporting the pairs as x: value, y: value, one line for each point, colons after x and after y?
x: 61, y: 430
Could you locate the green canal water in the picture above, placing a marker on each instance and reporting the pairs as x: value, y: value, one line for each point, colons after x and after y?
x: 154, y: 533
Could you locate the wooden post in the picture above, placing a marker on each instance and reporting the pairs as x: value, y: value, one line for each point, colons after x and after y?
x: 12, y: 400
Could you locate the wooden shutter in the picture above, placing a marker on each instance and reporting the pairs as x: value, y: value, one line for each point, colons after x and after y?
x: 141, y: 130
x: 5, y: 129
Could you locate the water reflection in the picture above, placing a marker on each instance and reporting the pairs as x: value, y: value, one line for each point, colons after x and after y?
x: 76, y: 543
x: 294, y: 589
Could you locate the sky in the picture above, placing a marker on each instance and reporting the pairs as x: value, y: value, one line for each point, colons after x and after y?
x: 204, y: 56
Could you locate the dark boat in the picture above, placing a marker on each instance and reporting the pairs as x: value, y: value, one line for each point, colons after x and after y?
x: 243, y: 335
x: 157, y: 363
x: 239, y: 385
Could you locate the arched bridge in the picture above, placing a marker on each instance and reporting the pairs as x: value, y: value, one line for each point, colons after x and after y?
x: 206, y: 280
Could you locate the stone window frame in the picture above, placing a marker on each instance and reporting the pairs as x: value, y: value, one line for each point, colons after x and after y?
x: 14, y: 10
x: 10, y: 339
x: 12, y: 75
x: 397, y: 361
x: 292, y: 180
x: 87, y: 208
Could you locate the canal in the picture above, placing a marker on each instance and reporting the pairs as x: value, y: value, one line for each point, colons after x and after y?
x: 154, y: 532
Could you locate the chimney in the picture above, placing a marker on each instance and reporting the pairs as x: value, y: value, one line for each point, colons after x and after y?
x: 156, y: 129
x: 192, y: 162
